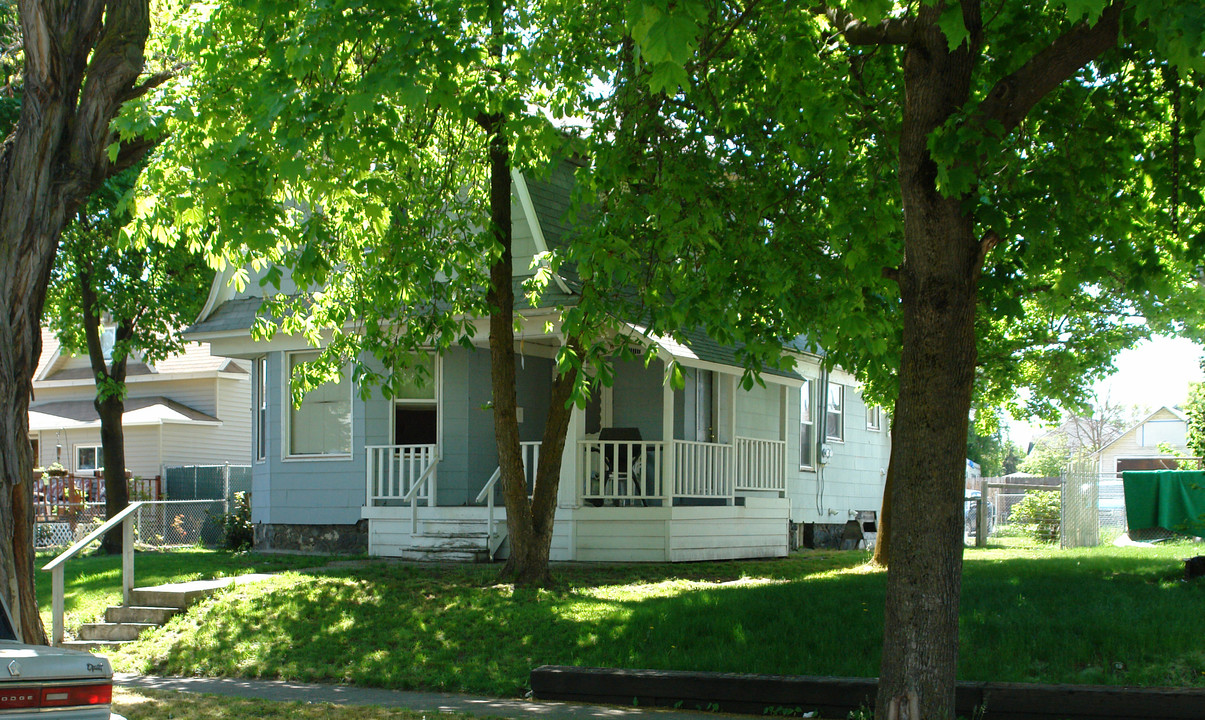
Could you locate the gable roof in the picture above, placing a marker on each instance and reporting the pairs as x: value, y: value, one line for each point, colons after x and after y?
x: 195, y: 358
x: 138, y: 411
x: 1179, y: 415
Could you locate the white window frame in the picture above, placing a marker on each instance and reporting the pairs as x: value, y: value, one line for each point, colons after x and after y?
x: 437, y: 381
x: 100, y: 460
x: 260, y: 409
x: 874, y: 418
x: 807, y: 450
x: 840, y: 412
x: 286, y: 444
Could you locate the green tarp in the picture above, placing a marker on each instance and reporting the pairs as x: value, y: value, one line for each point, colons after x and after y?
x: 1172, y: 499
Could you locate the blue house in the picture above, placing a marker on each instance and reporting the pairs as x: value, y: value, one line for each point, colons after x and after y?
x: 649, y: 473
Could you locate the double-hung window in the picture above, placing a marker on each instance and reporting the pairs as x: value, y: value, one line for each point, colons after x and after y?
x: 261, y: 408
x: 807, y: 427
x: 834, y: 418
x: 874, y: 418
x: 322, y: 424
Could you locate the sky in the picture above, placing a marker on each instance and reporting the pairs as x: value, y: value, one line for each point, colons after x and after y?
x: 1155, y: 373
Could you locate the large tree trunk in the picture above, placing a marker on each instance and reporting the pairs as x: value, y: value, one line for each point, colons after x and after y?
x: 937, y: 368
x: 882, y: 542
x: 57, y: 155
x: 112, y: 438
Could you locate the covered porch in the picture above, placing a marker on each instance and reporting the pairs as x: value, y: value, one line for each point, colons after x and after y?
x: 697, y: 473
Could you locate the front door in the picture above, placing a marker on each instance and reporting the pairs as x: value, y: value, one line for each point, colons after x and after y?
x: 415, y: 424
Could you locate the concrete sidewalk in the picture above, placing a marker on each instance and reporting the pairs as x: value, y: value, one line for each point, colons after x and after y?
x: 283, y: 691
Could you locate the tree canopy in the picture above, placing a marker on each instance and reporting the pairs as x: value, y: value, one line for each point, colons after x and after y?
x: 977, y: 196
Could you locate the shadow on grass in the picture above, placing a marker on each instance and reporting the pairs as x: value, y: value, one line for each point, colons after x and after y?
x: 1059, y: 618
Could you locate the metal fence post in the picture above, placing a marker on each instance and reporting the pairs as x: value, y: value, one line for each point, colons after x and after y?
x: 981, y: 519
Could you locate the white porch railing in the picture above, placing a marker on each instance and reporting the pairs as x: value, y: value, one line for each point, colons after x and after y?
x: 702, y: 470
x: 761, y: 465
x: 531, y: 458
x: 393, y: 471
x: 621, y: 470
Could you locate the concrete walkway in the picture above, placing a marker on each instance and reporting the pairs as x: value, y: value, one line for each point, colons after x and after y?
x: 282, y: 691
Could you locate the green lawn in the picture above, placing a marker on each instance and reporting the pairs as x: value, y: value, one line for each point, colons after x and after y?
x: 93, y: 582
x: 1107, y: 615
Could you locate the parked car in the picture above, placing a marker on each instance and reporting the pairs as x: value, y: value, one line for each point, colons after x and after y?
x: 972, y: 508
x: 38, y: 682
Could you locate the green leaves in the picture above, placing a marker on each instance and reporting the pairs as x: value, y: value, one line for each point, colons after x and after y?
x: 953, y: 26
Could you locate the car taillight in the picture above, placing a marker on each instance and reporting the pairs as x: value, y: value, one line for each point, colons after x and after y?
x: 72, y: 695
x: 56, y: 696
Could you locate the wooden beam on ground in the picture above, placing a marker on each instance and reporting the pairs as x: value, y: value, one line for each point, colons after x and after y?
x: 837, y: 697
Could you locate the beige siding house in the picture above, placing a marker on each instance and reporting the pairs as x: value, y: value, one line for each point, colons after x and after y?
x: 1138, y: 447
x: 193, y: 408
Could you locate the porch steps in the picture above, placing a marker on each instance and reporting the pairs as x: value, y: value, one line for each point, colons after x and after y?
x: 452, y: 540
x: 151, y: 607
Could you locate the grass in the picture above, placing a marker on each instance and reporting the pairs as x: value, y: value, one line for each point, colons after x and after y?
x: 93, y: 582
x: 1103, y: 615
x: 161, y: 705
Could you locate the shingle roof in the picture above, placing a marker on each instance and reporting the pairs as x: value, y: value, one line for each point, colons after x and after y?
x: 138, y: 411
x: 194, y: 358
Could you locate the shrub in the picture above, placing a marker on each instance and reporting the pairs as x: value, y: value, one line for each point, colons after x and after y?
x: 236, y: 525
x: 1039, y: 511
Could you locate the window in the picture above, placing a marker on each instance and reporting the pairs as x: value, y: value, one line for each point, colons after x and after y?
x: 834, y: 420
x: 874, y: 418
x: 261, y: 408
x: 1155, y: 432
x: 322, y: 425
x: 807, y: 427
x: 108, y: 338
x: 416, y: 406
x: 87, y: 458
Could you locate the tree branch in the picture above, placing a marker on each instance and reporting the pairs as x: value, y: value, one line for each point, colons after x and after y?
x: 892, y: 31
x: 1013, y: 96
x: 149, y: 84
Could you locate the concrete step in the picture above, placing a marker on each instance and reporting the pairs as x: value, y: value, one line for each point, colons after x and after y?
x: 181, y: 595
x: 139, y: 614
x: 113, y: 631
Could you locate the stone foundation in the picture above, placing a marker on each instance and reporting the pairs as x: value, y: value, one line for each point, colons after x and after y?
x: 317, y: 539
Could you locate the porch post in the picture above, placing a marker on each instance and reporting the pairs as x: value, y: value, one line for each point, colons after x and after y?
x: 784, y: 417
x: 734, y: 461
x: 667, y: 442
x: 569, y: 490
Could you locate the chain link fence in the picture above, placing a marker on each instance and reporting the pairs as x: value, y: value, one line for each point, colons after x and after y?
x: 1093, y: 508
x: 158, y: 524
x: 1086, y: 510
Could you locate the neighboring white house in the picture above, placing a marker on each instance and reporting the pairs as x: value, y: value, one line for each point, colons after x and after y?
x: 1138, y: 447
x: 192, y: 408
x: 649, y: 473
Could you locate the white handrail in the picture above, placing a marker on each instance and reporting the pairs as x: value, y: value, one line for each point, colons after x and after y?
x: 411, y: 495
x: 487, y: 494
x: 530, y: 454
x: 56, y: 565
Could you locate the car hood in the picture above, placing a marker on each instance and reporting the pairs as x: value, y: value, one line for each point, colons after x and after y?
x: 20, y: 662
